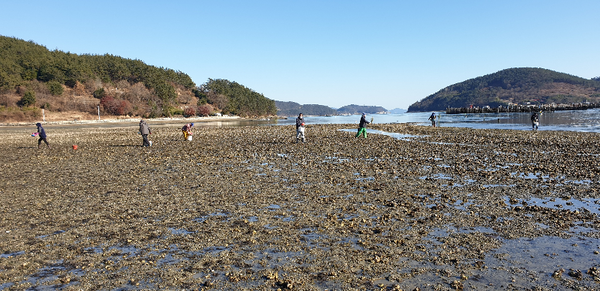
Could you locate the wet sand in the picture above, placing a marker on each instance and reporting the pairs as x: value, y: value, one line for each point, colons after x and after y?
x: 247, y: 208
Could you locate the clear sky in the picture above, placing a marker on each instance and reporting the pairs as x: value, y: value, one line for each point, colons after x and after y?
x: 335, y: 53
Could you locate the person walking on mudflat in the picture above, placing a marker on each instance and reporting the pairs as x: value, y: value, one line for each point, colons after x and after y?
x: 432, y: 118
x: 187, y: 130
x: 42, y: 135
x: 145, y: 131
x: 300, y: 128
x: 535, y: 121
x: 362, y: 126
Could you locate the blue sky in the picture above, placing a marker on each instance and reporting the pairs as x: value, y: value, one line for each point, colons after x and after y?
x: 335, y: 53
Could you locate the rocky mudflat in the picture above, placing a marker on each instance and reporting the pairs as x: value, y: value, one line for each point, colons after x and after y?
x: 246, y: 208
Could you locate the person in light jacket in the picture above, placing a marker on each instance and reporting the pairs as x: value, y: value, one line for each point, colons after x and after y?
x: 145, y: 131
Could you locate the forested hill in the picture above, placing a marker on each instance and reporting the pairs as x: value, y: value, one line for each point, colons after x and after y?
x: 358, y: 109
x: 293, y: 109
x: 33, y: 77
x: 516, y: 85
x: 235, y: 98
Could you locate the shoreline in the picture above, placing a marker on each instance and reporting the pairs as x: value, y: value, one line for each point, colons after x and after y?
x: 163, y: 120
x: 123, y: 120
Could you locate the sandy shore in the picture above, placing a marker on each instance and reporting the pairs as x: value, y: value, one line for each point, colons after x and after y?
x: 247, y: 208
x: 123, y: 120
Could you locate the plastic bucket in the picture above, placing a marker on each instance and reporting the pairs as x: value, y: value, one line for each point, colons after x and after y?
x: 189, y: 138
x: 150, y: 142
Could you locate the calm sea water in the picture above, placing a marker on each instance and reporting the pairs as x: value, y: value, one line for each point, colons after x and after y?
x: 571, y: 120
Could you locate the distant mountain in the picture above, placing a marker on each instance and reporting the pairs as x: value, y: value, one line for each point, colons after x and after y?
x: 358, y: 109
x: 293, y: 109
x: 397, y: 111
x: 516, y: 85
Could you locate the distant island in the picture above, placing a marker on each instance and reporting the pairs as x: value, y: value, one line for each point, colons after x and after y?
x: 293, y: 109
x: 513, y: 86
x: 358, y: 109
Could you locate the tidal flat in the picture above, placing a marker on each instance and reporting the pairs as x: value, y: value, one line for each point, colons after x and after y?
x: 247, y: 208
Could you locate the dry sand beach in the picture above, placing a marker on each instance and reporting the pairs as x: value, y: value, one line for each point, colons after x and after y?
x: 246, y: 208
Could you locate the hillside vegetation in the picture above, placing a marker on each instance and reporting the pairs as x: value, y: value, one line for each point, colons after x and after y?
x: 234, y: 98
x: 358, y: 109
x: 33, y: 77
x: 293, y: 109
x: 516, y: 85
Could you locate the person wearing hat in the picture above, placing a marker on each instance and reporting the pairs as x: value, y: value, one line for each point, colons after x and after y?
x: 300, y: 128
x: 362, y: 126
x: 187, y: 130
x: 42, y: 135
x: 145, y: 131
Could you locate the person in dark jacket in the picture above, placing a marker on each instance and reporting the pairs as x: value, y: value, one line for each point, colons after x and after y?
x: 432, y: 118
x: 145, y: 131
x: 362, y: 126
x: 42, y: 135
x: 300, y: 128
x: 535, y: 121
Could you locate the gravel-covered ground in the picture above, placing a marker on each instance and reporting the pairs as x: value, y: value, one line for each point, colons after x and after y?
x: 247, y: 208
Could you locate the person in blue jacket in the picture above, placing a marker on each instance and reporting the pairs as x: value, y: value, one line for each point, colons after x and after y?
x: 42, y: 135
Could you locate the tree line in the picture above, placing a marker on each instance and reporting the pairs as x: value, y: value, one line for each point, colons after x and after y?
x: 293, y: 109
x: 234, y: 98
x: 32, y: 75
x: 24, y: 61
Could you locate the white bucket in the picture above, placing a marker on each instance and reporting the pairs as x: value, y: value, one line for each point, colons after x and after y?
x: 150, y: 142
x: 189, y: 138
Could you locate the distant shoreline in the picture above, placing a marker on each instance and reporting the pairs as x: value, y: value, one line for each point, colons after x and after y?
x: 125, y: 120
